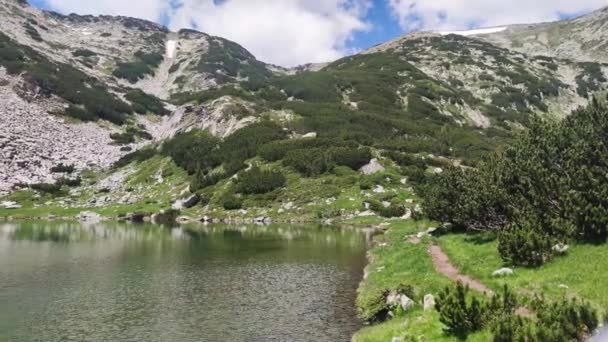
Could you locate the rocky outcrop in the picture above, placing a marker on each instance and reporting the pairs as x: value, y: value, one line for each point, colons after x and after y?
x: 395, y: 299
x: 372, y: 167
x: 220, y: 117
x: 32, y: 141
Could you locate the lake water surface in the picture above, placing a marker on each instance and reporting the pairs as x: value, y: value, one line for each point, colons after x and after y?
x: 115, y: 282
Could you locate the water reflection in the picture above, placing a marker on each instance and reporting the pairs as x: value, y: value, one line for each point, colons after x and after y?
x: 109, y: 281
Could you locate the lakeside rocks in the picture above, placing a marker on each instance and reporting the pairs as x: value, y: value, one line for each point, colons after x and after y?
x: 186, y: 203
x: 89, y: 216
x: 395, y: 299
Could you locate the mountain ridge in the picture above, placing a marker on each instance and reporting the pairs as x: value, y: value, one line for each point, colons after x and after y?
x: 413, y: 86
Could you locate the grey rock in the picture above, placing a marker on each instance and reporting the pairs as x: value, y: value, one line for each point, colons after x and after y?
x: 372, y: 167
x: 505, y: 271
x: 89, y: 216
x: 429, y: 302
x: 395, y: 299
x: 561, y: 248
x: 191, y: 201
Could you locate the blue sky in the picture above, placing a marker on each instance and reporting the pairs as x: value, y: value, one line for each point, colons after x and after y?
x: 291, y: 32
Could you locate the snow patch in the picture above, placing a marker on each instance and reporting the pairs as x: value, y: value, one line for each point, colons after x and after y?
x: 170, y: 47
x: 475, y: 32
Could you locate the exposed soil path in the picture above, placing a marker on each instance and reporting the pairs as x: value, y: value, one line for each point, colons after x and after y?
x: 442, y: 265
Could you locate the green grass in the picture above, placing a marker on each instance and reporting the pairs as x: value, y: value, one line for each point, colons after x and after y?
x: 416, y: 325
x: 399, y: 262
x: 403, y: 263
x: 581, y: 269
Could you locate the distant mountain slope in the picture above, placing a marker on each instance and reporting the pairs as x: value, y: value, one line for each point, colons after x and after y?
x: 425, y: 93
x: 131, y: 52
x: 582, y: 39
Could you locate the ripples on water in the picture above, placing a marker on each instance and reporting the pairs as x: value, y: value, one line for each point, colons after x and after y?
x: 111, y: 282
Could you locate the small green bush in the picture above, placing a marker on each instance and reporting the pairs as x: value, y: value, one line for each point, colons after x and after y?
x: 258, y: 181
x: 63, y: 168
x: 143, y: 103
x: 231, y: 202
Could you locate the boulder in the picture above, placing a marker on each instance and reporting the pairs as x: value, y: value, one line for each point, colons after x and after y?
x: 310, y: 135
x: 372, y: 167
x: 503, y: 272
x: 431, y: 230
x: 561, y: 248
x: 395, y: 299
x: 191, y: 201
x: 178, y: 205
x: 429, y: 302
x: 366, y: 213
x: 11, y: 205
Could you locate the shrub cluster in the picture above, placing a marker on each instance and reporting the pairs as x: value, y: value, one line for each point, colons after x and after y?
x: 463, y: 313
x: 316, y: 161
x: 89, y: 98
x: 63, y: 168
x: 258, y: 181
x: 549, y: 186
x: 143, y: 65
x: 143, y: 103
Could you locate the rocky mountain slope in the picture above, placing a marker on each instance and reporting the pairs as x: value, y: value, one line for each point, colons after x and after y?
x: 131, y: 52
x: 113, y: 84
x: 580, y: 39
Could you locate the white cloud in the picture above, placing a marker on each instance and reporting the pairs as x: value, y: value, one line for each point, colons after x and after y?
x: 462, y: 14
x: 145, y: 9
x: 283, y: 32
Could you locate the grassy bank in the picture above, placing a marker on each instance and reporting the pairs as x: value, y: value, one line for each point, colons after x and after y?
x: 394, y: 262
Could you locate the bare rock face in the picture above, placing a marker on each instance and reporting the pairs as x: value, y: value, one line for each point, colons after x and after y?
x: 220, y: 117
x: 32, y: 141
x: 583, y: 38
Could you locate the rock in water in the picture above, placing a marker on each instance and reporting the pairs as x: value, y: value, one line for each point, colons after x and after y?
x: 374, y: 166
x: 503, y: 272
